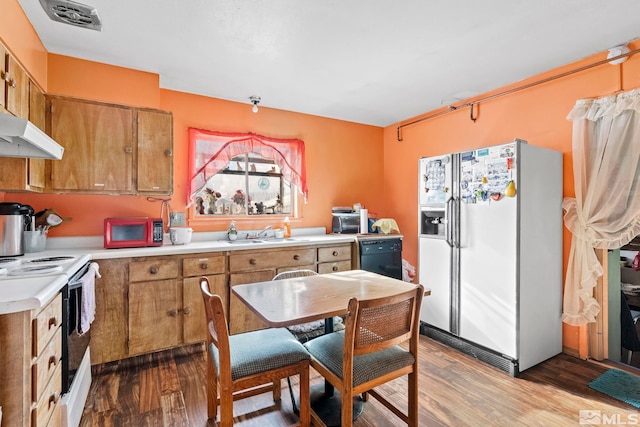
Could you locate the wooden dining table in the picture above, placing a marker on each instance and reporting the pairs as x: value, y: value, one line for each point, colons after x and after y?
x: 287, y: 302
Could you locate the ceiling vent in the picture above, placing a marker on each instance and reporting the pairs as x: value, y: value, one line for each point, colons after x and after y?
x: 72, y: 13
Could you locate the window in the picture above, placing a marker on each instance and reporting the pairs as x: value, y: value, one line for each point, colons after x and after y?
x: 245, y: 174
x: 249, y: 185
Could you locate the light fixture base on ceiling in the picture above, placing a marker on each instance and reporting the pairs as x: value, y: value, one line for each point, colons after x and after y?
x: 255, y: 100
x: 617, y: 51
x: 72, y: 13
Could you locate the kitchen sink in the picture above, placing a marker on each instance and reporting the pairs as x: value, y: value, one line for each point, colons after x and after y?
x: 270, y: 240
x: 243, y: 241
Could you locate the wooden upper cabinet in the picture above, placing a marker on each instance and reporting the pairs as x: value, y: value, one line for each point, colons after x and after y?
x: 26, y: 174
x: 17, y: 88
x: 37, y: 116
x: 98, y: 147
x: 155, y: 152
x: 3, y: 73
x: 112, y: 149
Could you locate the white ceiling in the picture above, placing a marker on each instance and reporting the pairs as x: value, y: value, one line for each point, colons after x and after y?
x: 367, y: 61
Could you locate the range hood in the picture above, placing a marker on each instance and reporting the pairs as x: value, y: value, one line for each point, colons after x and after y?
x: 21, y: 138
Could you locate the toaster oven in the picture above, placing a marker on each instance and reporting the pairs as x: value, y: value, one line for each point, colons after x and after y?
x: 346, y: 223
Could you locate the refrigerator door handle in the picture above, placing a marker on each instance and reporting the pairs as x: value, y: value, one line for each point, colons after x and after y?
x: 449, y: 223
x: 456, y: 236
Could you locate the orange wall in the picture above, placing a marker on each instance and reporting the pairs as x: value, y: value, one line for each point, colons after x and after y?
x: 17, y: 34
x: 537, y: 115
x: 92, y: 80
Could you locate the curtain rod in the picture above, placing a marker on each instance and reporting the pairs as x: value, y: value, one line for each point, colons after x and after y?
x: 513, y: 90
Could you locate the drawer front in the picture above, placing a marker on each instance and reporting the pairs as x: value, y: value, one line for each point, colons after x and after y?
x: 48, y: 402
x: 45, y: 365
x: 273, y: 259
x: 46, y: 324
x: 333, y: 267
x: 56, y: 417
x: 204, y: 265
x: 334, y: 253
x: 140, y: 271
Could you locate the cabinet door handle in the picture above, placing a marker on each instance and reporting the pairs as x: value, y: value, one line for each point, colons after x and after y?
x: 53, y: 360
x: 174, y: 312
x: 335, y: 253
x: 128, y: 150
x: 168, y: 153
x: 53, y: 322
x: 153, y: 270
x: 334, y: 268
x: 53, y: 399
x: 253, y: 261
x: 296, y: 257
x: 186, y: 310
x: 204, y: 266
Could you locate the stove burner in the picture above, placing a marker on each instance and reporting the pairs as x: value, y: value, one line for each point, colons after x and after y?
x: 40, y: 269
x: 49, y: 259
x: 9, y: 262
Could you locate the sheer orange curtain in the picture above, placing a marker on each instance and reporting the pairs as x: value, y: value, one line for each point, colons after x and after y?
x: 211, y: 151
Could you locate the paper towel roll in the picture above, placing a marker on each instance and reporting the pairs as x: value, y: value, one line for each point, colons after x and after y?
x: 364, y: 221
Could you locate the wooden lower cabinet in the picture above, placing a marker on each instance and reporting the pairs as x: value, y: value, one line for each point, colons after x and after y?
x: 154, y: 308
x: 154, y: 303
x: 110, y: 329
x: 260, y: 266
x: 241, y: 318
x: 214, y: 267
x: 332, y: 259
x: 30, y: 366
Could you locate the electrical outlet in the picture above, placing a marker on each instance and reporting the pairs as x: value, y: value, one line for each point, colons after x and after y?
x: 178, y: 219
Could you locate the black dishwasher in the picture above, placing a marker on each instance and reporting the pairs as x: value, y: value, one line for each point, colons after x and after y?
x: 381, y: 255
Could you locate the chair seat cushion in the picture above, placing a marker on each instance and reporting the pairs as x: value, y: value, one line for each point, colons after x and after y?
x: 328, y: 350
x: 311, y: 330
x: 260, y: 351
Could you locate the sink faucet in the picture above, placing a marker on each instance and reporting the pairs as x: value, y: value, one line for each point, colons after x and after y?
x: 264, y: 231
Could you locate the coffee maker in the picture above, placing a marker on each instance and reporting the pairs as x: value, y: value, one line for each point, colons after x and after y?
x: 14, y: 218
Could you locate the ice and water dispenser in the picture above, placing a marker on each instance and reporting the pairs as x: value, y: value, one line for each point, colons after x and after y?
x: 432, y: 222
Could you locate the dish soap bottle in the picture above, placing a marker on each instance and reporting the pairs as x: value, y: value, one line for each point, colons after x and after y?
x: 232, y: 233
x: 287, y: 227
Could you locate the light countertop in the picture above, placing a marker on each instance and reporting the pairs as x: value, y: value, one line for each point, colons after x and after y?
x: 30, y: 293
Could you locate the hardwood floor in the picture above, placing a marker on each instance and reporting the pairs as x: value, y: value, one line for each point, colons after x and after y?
x: 167, y: 389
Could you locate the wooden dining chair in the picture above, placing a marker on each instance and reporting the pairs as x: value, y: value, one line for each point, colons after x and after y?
x: 248, y: 364
x: 305, y: 331
x: 367, y: 353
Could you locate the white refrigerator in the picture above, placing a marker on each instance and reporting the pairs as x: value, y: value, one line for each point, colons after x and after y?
x: 490, y: 250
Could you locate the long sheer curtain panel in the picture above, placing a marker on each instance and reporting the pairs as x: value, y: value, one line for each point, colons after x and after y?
x: 605, y: 214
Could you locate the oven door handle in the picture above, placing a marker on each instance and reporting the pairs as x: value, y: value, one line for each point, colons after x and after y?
x: 76, y: 280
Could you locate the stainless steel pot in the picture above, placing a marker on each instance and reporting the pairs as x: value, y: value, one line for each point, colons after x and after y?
x: 13, y: 218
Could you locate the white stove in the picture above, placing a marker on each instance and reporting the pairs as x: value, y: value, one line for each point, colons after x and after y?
x: 73, y: 267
